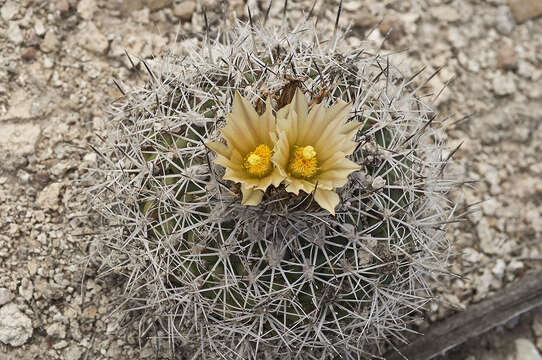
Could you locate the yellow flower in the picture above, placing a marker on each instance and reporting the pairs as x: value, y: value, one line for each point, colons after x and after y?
x: 250, y: 145
x: 312, y: 148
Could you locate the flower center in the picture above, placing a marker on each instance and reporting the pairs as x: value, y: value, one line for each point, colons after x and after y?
x: 258, y: 162
x: 303, y: 163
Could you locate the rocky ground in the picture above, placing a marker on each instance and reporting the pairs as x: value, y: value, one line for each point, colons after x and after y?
x: 58, y: 60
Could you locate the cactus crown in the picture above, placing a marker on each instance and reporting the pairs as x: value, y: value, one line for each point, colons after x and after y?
x: 281, y: 274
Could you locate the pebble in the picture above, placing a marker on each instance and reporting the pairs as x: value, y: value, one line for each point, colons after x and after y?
x: 15, y: 326
x: 525, y: 350
x: 158, y: 4
x: 49, y: 43
x: 19, y: 138
x: 5, y: 296
x: 504, y: 84
x: 524, y: 10
x: 74, y: 352
x: 29, y: 53
x: 56, y: 330
x: 39, y: 28
x: 9, y: 10
x: 445, y: 13
x: 49, y: 196
x: 92, y: 39
x: 184, y: 9
x: 15, y: 35
x: 507, y: 58
x: 86, y: 9
x: 505, y: 23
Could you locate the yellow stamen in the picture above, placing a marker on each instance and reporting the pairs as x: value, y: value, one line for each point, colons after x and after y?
x: 303, y: 163
x: 258, y: 162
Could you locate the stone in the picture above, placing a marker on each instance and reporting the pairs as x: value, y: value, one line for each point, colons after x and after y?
x: 504, y: 85
x: 39, y: 28
x: 132, y: 5
x: 525, y: 350
x: 49, y: 196
x: 15, y: 326
x: 9, y: 10
x: 5, y: 296
x: 49, y: 43
x: 74, y: 352
x: 505, y: 22
x: 29, y: 53
x: 63, y: 6
x: 507, y: 58
x: 158, y: 4
x: 56, y: 330
x: 445, y: 13
x: 19, y: 138
x: 26, y: 289
x: 184, y: 9
x: 15, y: 35
x: 86, y: 9
x: 524, y: 10
x: 92, y: 39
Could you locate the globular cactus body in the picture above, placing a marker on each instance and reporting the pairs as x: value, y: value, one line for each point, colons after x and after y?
x: 284, y: 276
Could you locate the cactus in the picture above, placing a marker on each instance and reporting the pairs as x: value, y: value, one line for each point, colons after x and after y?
x: 283, y: 277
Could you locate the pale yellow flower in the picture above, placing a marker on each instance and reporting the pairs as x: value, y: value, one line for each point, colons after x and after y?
x: 312, y: 148
x: 250, y: 145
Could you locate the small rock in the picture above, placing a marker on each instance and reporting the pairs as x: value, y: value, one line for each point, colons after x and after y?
x: 506, y: 58
x: 60, y: 345
x: 9, y: 10
x: 365, y: 22
x: 15, y: 326
x: 132, y: 5
x: 63, y: 6
x: 184, y: 9
x: 39, y: 28
x: 158, y: 4
x: 92, y: 39
x: 490, y: 206
x: 26, y: 289
x: 86, y: 9
x: 445, y: 13
x: 29, y: 54
x: 74, y: 352
x: 49, y: 43
x: 525, y: 350
x: 15, y: 35
x: 394, y: 27
x: 90, y: 312
x: 504, y: 84
x: 49, y: 196
x: 19, y: 138
x: 505, y: 22
x: 524, y: 10
x: 498, y: 269
x: 5, y: 296
x: 56, y: 330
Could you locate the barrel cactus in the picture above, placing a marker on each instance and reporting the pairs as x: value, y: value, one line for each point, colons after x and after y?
x: 274, y: 193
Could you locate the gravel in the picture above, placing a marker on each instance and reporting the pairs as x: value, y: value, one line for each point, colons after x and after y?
x: 57, y: 62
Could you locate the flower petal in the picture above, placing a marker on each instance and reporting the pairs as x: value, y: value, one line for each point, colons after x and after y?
x: 327, y: 199
x: 251, y: 197
x: 281, y: 153
x: 219, y: 148
x: 335, y: 171
x: 294, y: 185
